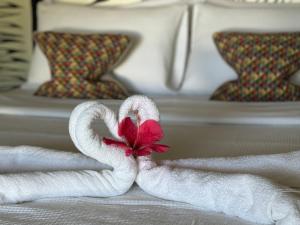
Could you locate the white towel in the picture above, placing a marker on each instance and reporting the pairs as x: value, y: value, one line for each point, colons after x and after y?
x: 23, y: 159
x: 19, y: 187
x: 283, y: 168
x: 250, y: 197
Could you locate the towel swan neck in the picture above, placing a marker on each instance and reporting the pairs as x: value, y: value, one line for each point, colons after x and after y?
x: 89, y: 142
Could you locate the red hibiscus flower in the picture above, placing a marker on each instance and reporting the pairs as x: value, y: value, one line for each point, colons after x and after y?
x: 139, y: 140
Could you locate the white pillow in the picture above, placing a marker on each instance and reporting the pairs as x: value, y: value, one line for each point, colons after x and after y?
x: 206, y: 69
x: 148, y: 66
x: 182, y: 39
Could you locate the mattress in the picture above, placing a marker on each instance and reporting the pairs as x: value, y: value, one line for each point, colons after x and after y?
x: 193, y: 127
x: 134, y: 208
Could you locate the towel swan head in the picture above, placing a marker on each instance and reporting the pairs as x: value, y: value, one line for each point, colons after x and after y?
x: 142, y: 137
x: 85, y: 114
x: 90, y: 143
x: 143, y: 107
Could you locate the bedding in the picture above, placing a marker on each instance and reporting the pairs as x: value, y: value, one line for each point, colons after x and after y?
x: 151, y: 49
x: 78, y: 63
x: 180, y: 49
x: 135, y: 207
x: 206, y: 70
x: 179, y: 110
x: 264, y: 63
x: 225, y: 129
x: 194, y: 128
x: 87, y: 56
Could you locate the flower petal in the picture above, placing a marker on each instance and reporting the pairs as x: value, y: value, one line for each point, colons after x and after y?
x: 160, y: 148
x: 143, y: 152
x: 128, y: 130
x: 149, y: 132
x: 119, y: 144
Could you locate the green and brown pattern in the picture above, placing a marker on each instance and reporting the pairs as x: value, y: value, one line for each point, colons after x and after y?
x: 78, y: 63
x: 264, y: 64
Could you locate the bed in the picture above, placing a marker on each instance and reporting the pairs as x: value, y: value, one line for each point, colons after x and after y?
x: 44, y: 122
x: 193, y: 125
x: 225, y: 129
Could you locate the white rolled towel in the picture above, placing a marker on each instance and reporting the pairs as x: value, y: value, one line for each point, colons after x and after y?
x: 249, y: 197
x: 19, y: 187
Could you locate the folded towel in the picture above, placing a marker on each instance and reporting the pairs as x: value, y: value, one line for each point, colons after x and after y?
x: 283, y: 168
x: 250, y: 197
x: 21, y: 159
x: 247, y: 196
x: 18, y: 187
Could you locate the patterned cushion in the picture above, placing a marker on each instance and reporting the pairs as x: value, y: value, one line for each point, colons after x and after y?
x: 78, y: 62
x: 71, y: 87
x: 264, y: 63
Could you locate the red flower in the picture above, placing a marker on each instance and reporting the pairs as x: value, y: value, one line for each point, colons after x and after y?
x: 139, y: 140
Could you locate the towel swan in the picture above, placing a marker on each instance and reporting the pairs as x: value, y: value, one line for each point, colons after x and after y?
x: 249, y: 197
x: 19, y: 187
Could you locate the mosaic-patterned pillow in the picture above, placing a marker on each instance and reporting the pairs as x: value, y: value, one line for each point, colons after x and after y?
x: 78, y: 63
x: 264, y: 64
x: 71, y: 87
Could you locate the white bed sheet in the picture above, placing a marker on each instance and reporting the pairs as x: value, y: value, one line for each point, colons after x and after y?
x: 175, y: 109
x: 190, y: 128
x: 134, y: 208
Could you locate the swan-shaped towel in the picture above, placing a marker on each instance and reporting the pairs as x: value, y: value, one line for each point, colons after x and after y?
x: 19, y: 187
x: 250, y: 197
